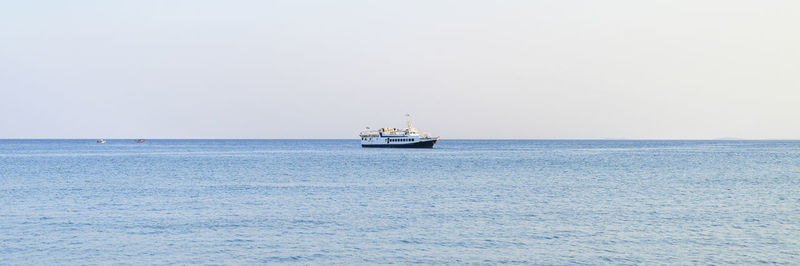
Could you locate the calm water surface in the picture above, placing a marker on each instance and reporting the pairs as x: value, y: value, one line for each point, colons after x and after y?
x: 332, y: 202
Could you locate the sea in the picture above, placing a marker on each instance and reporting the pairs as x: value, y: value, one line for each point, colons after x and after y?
x: 481, y: 202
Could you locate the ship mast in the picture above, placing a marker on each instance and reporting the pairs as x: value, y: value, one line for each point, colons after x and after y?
x: 408, y: 121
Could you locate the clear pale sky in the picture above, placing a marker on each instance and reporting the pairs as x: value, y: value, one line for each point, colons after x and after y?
x: 463, y: 69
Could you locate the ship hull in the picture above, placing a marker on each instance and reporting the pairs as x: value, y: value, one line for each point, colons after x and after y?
x: 420, y: 145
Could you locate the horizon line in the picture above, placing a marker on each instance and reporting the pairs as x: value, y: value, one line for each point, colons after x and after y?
x: 631, y: 139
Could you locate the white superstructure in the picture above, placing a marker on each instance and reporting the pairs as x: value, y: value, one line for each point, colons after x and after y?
x: 387, y: 137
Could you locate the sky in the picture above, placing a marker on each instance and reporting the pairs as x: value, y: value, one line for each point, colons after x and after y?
x: 462, y: 69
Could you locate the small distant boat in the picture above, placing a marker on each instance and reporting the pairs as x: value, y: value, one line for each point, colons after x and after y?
x: 397, y: 137
x: 140, y: 140
x: 101, y: 141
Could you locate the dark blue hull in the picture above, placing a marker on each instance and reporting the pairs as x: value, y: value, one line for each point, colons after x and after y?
x: 422, y: 144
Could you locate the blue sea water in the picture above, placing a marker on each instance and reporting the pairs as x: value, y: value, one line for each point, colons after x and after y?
x: 464, y: 202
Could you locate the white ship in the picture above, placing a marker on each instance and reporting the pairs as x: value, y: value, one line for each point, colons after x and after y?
x: 396, y: 137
